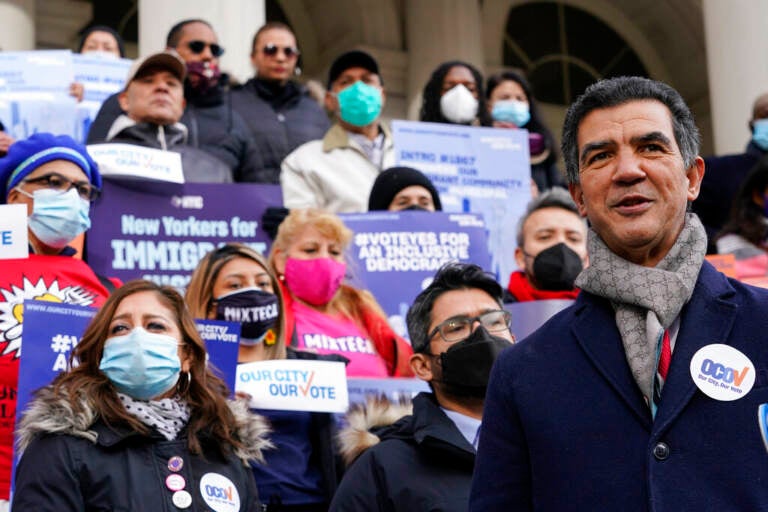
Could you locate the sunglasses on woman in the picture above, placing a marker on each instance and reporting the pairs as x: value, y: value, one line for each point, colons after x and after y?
x: 289, y: 51
x: 198, y: 47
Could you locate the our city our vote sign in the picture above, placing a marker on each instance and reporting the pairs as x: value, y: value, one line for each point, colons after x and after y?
x: 295, y: 385
x: 160, y: 231
x: 475, y: 169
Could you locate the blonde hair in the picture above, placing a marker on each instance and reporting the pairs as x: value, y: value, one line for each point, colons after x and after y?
x: 199, y: 295
x: 349, y: 301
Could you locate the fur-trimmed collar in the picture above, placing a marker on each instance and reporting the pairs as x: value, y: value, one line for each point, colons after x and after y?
x: 363, y: 420
x: 52, y: 413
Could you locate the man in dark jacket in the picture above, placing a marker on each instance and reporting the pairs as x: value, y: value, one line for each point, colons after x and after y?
x: 212, y: 123
x: 154, y: 101
x: 280, y: 113
x: 424, y: 461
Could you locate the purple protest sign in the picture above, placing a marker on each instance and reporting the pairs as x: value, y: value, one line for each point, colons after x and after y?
x: 159, y: 231
x: 396, y: 254
x: 222, y: 340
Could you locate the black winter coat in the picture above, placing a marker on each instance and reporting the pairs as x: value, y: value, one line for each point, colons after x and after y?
x: 214, y: 127
x: 199, y: 166
x: 280, y: 120
x: 422, y: 462
x: 71, y: 466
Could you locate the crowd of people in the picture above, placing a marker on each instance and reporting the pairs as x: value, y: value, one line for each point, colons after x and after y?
x: 604, y: 392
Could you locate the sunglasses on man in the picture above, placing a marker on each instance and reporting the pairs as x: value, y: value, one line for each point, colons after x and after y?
x: 198, y: 47
x: 289, y: 51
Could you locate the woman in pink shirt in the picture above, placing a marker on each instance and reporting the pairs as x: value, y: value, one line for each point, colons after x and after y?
x: 323, y: 314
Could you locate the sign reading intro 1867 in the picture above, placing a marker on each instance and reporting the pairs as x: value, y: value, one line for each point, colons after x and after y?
x: 159, y: 231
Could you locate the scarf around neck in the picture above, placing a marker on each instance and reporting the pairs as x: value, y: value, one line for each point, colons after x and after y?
x: 167, y: 416
x: 646, y: 299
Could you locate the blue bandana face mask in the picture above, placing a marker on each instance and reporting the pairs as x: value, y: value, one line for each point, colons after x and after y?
x: 760, y: 133
x: 359, y: 104
x: 141, y: 364
x: 511, y: 111
x: 57, y: 218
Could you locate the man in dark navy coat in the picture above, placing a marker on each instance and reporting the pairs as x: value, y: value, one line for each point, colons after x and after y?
x: 646, y: 394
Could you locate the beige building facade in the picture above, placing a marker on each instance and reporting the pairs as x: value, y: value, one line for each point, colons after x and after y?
x: 712, y: 51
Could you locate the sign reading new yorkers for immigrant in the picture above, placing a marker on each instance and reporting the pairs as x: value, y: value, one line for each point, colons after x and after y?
x: 159, y: 231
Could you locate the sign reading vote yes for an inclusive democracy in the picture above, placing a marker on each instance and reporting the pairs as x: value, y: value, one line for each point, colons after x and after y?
x: 160, y: 232
x: 295, y: 385
x: 396, y: 254
x: 475, y: 169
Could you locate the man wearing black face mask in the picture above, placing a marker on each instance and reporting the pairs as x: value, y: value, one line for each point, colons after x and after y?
x: 424, y: 461
x: 551, y: 249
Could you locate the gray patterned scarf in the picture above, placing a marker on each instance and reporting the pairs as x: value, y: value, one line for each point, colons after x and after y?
x: 646, y: 299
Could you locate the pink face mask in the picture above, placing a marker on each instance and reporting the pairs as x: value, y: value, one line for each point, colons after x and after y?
x: 314, y: 281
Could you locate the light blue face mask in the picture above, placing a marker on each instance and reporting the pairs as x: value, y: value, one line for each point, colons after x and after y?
x: 359, y: 104
x: 760, y: 133
x: 58, y: 217
x: 141, y: 364
x: 511, y: 111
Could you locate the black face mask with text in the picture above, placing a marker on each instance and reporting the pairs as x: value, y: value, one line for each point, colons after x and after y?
x: 466, y: 365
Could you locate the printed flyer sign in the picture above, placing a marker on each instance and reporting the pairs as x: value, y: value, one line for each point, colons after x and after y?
x: 101, y: 77
x: 393, y: 389
x: 13, y: 231
x: 407, y: 248
x: 136, y: 162
x: 477, y: 170
x: 34, y: 93
x: 160, y: 231
x: 295, y: 385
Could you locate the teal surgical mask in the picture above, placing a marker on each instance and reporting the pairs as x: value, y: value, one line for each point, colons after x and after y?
x: 141, y: 364
x: 359, y: 104
x: 511, y: 111
x: 58, y: 217
x: 760, y: 133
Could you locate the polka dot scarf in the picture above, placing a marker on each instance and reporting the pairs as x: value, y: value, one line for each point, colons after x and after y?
x: 167, y: 416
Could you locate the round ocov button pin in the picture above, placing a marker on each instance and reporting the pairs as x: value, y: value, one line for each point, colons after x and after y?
x: 182, y: 499
x: 219, y: 493
x: 175, y: 482
x: 722, y: 372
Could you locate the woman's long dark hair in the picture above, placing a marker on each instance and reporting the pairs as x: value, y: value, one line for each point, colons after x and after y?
x: 536, y: 124
x: 205, y: 393
x: 430, y: 97
x: 747, y: 218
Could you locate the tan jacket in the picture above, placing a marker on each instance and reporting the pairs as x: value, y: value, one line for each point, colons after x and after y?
x: 333, y: 173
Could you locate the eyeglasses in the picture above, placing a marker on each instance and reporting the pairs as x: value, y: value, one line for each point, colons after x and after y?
x: 198, y: 47
x: 289, y: 51
x: 56, y: 181
x: 460, y: 327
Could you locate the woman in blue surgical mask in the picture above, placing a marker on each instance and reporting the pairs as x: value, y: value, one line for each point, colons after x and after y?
x: 234, y: 283
x: 511, y: 105
x: 141, y: 422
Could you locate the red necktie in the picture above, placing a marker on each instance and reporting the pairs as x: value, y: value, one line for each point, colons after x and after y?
x: 665, y: 357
